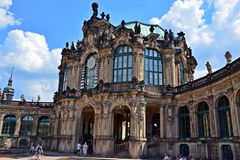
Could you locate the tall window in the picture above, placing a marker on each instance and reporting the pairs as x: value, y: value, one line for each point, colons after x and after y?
x: 184, y: 122
x: 122, y: 64
x: 90, y: 72
x: 153, y: 68
x: 156, y: 124
x: 224, y: 118
x: 26, y: 126
x: 181, y: 73
x: 9, y: 123
x: 203, y: 120
x: 44, y: 126
x: 65, y: 75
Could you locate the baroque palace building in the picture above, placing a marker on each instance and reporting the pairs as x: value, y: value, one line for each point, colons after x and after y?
x: 130, y: 89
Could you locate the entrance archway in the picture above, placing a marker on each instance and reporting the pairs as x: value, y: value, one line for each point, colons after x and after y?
x: 121, y: 128
x: 87, y: 130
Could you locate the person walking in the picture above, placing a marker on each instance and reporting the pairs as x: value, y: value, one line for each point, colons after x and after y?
x: 38, y: 152
x: 85, y: 148
x: 79, y: 149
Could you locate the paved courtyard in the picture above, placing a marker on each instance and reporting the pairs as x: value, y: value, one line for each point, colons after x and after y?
x: 52, y: 156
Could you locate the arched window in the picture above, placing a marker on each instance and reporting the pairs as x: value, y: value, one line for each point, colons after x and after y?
x: 9, y: 123
x: 156, y: 124
x: 90, y: 72
x: 181, y: 73
x: 184, y: 122
x: 122, y: 64
x: 44, y: 126
x: 26, y: 126
x: 153, y: 68
x: 224, y: 118
x: 184, y: 149
x: 203, y: 120
x: 65, y: 77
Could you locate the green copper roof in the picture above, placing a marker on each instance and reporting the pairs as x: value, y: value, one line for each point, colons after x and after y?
x: 145, y: 28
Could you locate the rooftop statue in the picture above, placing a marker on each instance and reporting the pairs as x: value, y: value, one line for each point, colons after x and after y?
x: 228, y: 56
x: 209, y: 68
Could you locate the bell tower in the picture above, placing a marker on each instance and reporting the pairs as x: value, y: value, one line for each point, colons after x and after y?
x: 8, y: 92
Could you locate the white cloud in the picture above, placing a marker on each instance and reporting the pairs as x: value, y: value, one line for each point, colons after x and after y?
x: 224, y: 10
x: 187, y: 16
x: 200, y: 73
x: 155, y: 20
x: 28, y: 51
x: 7, y: 18
x: 44, y: 87
x: 5, y: 3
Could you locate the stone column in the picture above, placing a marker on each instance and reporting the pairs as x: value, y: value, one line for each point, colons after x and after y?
x: 35, y: 125
x: 162, y: 124
x: 193, y: 125
x: 214, y: 122
x: 138, y: 145
x: 104, y: 127
x: 169, y: 67
x: 105, y: 64
x: 18, y: 125
x: 138, y: 61
x: 1, y: 122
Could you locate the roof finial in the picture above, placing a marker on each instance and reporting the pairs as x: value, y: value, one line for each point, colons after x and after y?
x: 95, y: 9
x: 10, y: 79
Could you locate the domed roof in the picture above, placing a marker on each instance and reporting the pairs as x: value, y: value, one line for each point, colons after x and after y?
x: 145, y: 28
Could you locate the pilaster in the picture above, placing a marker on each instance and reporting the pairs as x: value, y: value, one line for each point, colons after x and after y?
x: 18, y: 125
x: 1, y: 122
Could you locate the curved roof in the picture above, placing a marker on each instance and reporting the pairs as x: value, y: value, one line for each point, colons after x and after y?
x: 145, y: 28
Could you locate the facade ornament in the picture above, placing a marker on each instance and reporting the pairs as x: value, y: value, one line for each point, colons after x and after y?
x: 137, y: 28
x: 73, y: 47
x: 123, y: 23
x: 209, y: 68
x: 108, y: 17
x: 67, y: 44
x: 228, y: 56
x: 95, y: 10
x: 151, y: 29
x: 166, y: 36
x: 171, y: 35
x: 103, y: 15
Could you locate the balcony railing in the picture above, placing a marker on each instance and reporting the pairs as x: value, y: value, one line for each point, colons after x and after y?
x: 228, y: 70
x: 28, y: 104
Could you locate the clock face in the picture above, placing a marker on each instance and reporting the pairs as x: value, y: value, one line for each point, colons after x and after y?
x: 91, y: 63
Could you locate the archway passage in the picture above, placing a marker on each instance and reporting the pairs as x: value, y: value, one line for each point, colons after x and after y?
x: 121, y: 128
x: 88, y: 128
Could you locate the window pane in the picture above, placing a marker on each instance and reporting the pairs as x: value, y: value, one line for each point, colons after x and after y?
x: 156, y: 78
x: 124, y: 75
x: 151, y: 77
x: 155, y: 53
x: 151, y: 65
x: 125, y: 49
x: 146, y: 64
x: 115, y: 63
x: 119, y: 76
x: 115, y: 76
x: 129, y: 74
x: 130, y: 61
x: 146, y: 77
x: 155, y: 65
x: 120, y: 62
x: 124, y: 61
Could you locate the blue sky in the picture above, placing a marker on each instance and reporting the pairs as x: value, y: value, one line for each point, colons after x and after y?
x: 32, y: 34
